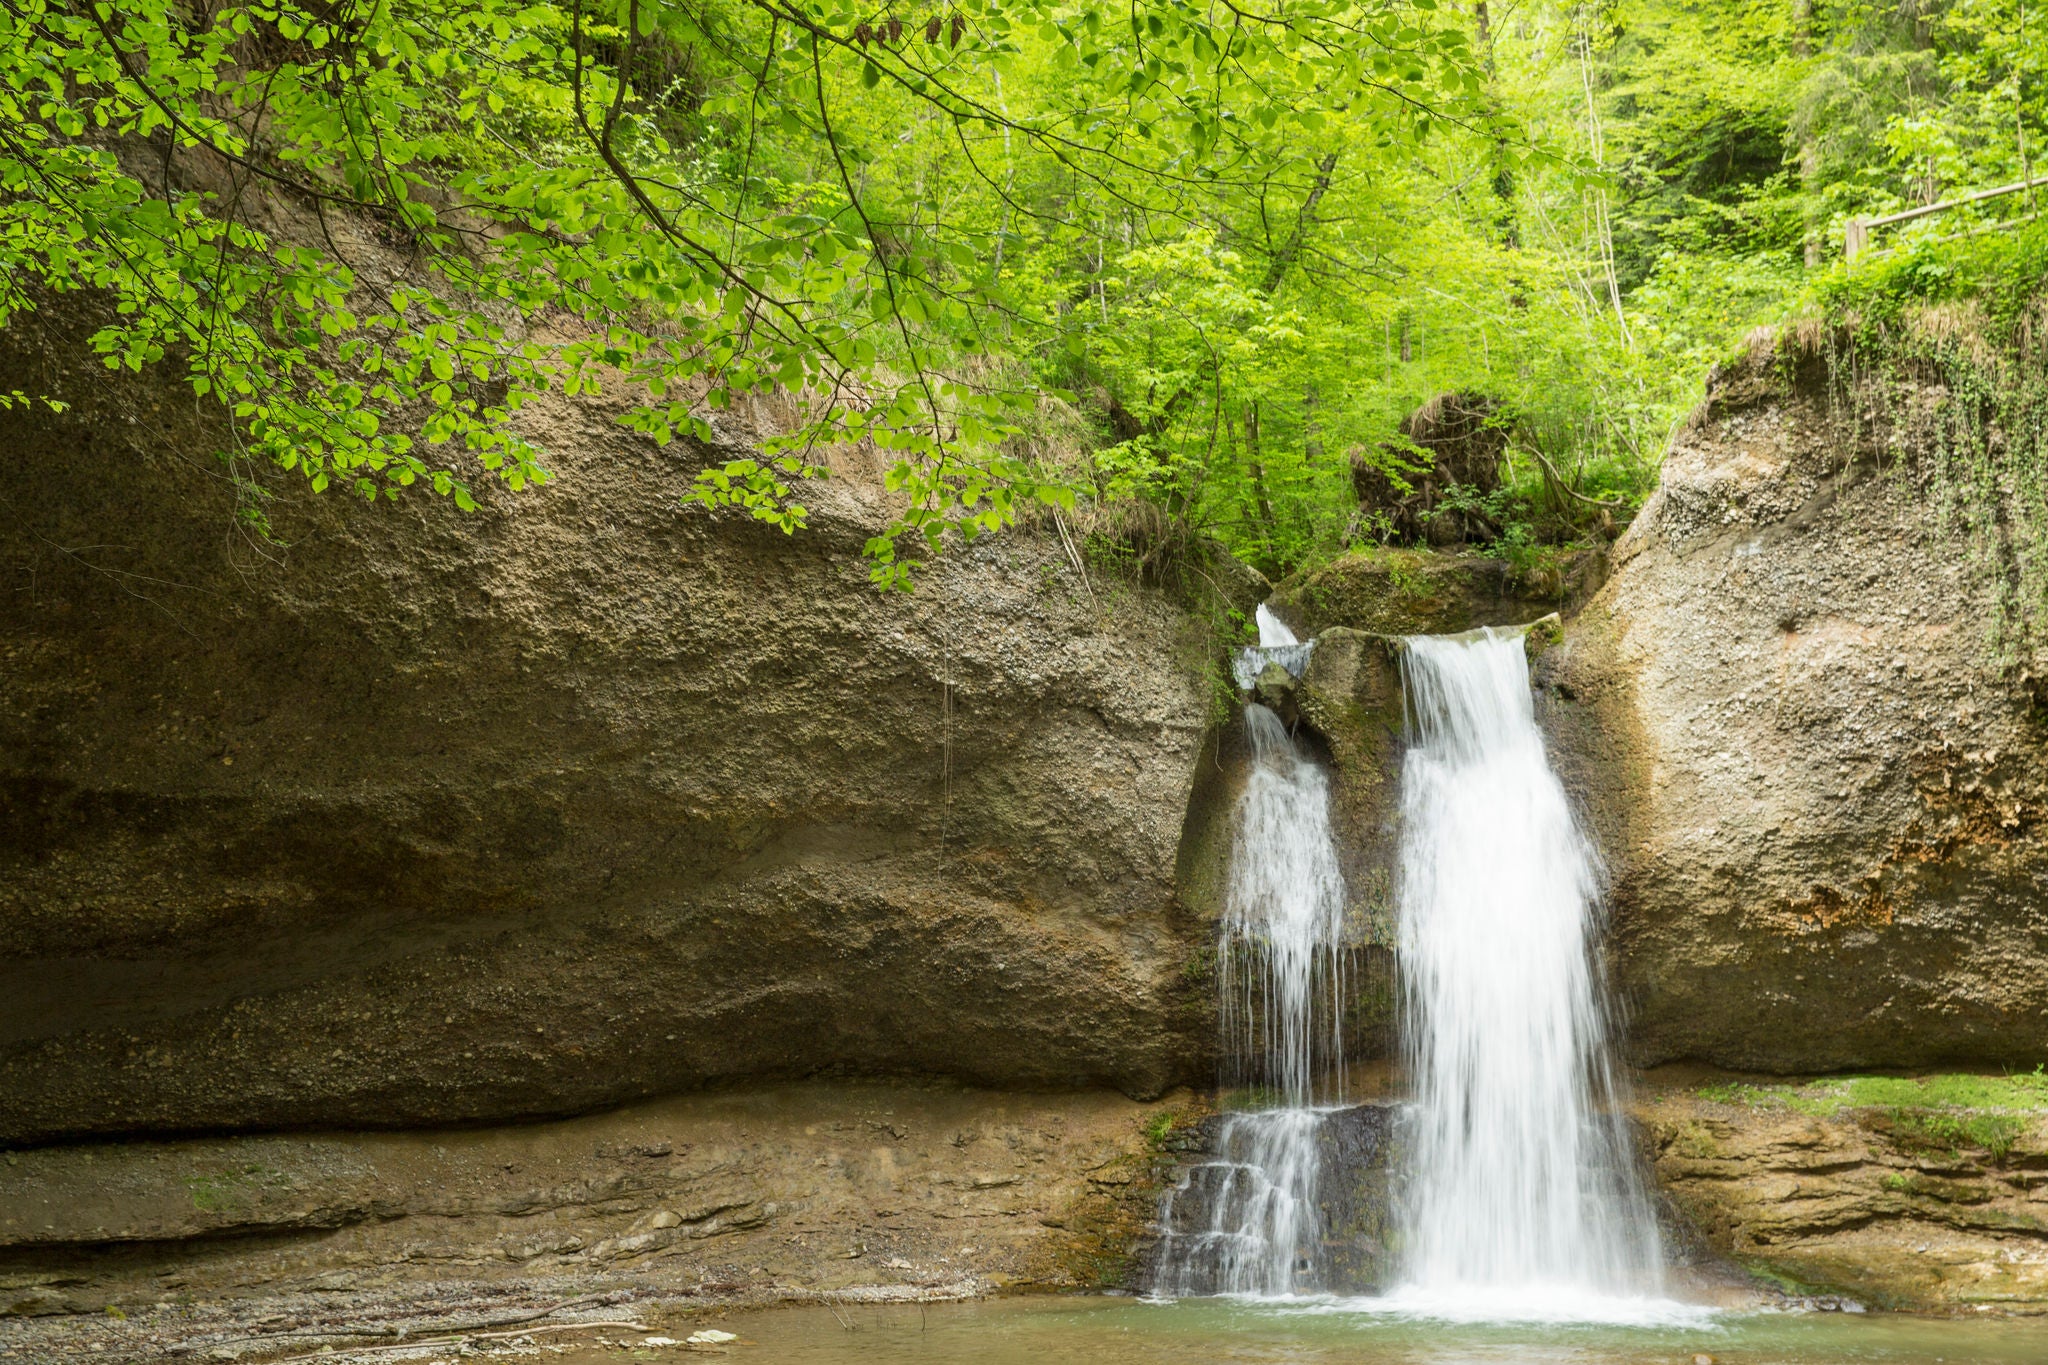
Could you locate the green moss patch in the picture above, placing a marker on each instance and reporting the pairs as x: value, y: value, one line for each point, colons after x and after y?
x: 1951, y: 1113
x: 1939, y: 1130
x: 2003, y: 1094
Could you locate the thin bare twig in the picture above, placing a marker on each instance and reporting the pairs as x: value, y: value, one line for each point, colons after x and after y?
x: 1568, y: 490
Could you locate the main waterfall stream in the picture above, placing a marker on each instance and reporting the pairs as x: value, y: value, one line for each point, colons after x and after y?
x: 1520, y: 1190
x: 1516, y: 1193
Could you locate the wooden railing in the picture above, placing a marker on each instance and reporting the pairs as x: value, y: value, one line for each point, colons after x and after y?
x: 1856, y: 236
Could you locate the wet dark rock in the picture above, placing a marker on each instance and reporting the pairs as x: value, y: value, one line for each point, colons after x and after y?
x: 1275, y: 688
x: 1359, y: 1235
x: 1354, y: 1256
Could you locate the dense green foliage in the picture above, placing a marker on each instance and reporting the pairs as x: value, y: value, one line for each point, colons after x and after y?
x: 702, y: 199
x: 1220, y: 250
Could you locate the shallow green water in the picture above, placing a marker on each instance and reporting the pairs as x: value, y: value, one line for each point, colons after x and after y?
x: 1196, y: 1332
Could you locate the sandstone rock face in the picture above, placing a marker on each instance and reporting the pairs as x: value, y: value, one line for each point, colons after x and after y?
x: 434, y: 817
x: 1820, y: 803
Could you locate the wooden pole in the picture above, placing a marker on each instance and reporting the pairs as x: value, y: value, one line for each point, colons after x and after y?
x: 1856, y: 232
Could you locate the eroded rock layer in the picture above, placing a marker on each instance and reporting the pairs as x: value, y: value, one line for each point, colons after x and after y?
x: 266, y: 1243
x: 1897, y: 1205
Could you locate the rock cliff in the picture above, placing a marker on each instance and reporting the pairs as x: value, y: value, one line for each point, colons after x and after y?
x: 410, y: 816
x: 1820, y: 800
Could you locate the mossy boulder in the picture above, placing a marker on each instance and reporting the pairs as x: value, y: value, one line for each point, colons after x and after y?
x: 1425, y: 592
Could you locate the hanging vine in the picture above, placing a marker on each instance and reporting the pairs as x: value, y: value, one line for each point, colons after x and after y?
x: 1938, y: 358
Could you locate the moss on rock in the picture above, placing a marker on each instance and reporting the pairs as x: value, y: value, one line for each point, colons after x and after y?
x: 1390, y: 591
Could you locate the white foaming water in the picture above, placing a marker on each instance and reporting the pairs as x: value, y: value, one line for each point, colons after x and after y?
x: 1272, y: 630
x: 1248, y: 1221
x: 1276, y: 645
x: 1521, y: 1195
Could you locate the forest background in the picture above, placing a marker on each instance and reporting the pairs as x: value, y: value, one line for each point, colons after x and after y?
x: 1196, y: 260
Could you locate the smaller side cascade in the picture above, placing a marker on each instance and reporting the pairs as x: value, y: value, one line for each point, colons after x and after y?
x: 1277, y: 645
x: 1249, y: 1220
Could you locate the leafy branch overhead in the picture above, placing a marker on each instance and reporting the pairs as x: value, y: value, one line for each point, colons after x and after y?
x: 695, y: 201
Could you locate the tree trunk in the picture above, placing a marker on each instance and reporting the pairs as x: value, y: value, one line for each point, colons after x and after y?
x: 1809, y: 145
x: 1283, y: 259
x: 1255, y: 461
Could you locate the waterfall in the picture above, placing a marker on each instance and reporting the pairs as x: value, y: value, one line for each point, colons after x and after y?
x: 1277, y: 645
x: 1517, y: 1189
x: 1283, y: 914
x: 1273, y: 632
x: 1520, y: 1183
x: 1248, y: 1220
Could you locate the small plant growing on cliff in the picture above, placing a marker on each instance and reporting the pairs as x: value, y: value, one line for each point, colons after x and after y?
x: 1938, y: 1131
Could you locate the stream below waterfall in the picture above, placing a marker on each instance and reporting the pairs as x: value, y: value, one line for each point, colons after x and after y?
x: 1216, y: 1331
